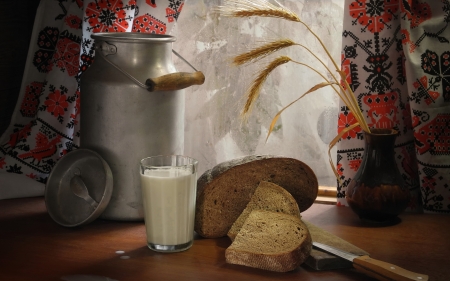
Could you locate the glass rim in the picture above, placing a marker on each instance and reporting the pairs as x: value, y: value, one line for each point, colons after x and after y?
x: 190, y: 161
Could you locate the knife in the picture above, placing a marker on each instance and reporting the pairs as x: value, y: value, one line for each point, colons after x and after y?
x: 374, y: 268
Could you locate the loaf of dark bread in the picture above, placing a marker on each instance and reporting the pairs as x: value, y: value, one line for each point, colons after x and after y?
x: 268, y: 197
x: 271, y: 241
x: 224, y: 191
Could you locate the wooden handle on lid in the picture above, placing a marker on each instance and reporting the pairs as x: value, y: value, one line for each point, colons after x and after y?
x: 175, y: 81
x: 385, y: 271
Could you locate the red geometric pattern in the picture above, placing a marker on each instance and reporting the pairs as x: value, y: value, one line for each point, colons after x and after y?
x: 174, y: 10
x: 373, y: 15
x: 67, y: 55
x: 416, y: 12
x: 30, y: 102
x: 346, y: 68
x: 424, y: 91
x: 382, y: 110
x: 346, y: 119
x: 434, y: 136
x: 149, y: 24
x: 108, y: 16
x: 47, y: 42
x: 438, y: 66
x: 56, y: 103
x: 73, y: 21
x: 354, y: 164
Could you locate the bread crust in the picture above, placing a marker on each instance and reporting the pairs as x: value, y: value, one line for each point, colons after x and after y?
x: 224, y: 191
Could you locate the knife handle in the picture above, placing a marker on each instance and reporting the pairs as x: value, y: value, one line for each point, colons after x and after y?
x: 385, y: 271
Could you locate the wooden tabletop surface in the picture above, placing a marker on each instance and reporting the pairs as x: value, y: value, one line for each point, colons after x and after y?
x: 34, y: 247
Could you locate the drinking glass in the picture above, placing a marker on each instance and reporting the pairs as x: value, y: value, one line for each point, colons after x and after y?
x: 169, y: 188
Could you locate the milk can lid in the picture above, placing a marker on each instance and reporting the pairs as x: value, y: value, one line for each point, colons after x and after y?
x: 79, y: 188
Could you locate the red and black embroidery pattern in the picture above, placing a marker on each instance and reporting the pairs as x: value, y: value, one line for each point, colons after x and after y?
x: 438, y: 67
x: 108, y: 16
x: 433, y: 136
x: 373, y: 15
x: 30, y: 102
x: 47, y: 44
x: 56, y: 102
x: 174, y: 9
x: 152, y: 3
x: 383, y: 41
x: 73, y: 21
x: 44, y: 148
x: 67, y: 55
x: 149, y: 24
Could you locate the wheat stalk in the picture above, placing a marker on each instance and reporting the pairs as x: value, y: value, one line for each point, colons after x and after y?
x: 313, y: 89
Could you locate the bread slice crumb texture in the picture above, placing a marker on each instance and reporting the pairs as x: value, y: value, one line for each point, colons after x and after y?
x: 270, y: 235
x: 270, y: 241
x: 269, y: 197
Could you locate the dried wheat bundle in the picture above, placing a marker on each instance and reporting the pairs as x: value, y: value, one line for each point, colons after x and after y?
x: 262, y: 8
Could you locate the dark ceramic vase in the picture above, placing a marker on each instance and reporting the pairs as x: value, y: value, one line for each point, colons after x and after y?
x: 377, y: 192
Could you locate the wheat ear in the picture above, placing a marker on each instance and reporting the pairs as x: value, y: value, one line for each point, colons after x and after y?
x: 255, y: 88
x: 262, y: 52
x: 262, y: 8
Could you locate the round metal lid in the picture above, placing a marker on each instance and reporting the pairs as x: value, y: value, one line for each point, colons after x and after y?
x: 79, y: 188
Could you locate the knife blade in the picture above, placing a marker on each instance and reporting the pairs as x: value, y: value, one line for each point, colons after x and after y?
x: 374, y: 268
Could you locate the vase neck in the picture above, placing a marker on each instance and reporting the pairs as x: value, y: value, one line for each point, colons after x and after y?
x: 379, y: 151
x: 381, y: 142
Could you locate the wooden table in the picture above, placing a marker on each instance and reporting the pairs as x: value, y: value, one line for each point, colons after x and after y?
x: 34, y: 247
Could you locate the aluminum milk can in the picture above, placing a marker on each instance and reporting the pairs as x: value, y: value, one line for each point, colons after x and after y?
x: 132, y: 107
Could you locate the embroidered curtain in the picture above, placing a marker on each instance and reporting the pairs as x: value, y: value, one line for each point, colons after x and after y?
x: 396, y: 54
x: 44, y: 126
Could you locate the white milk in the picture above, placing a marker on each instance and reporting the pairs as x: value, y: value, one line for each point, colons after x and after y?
x: 169, y: 205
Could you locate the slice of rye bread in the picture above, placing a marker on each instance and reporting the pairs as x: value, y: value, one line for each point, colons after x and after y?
x: 271, y: 241
x: 269, y: 197
x: 224, y: 191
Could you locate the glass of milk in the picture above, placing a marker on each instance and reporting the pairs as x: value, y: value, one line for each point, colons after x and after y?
x: 169, y: 189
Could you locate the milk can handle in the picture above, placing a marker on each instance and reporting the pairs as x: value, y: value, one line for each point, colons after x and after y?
x: 168, y: 82
x: 175, y: 81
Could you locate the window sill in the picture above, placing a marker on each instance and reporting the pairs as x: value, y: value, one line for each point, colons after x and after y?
x: 326, y: 195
